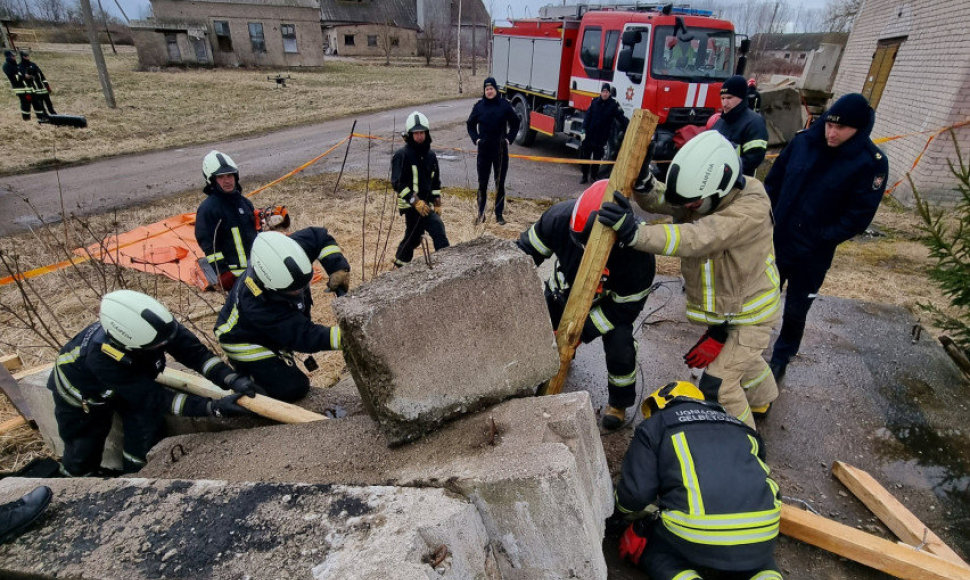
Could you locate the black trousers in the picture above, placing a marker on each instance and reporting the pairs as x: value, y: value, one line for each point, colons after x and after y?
x: 492, y: 160
x: 414, y: 227
x: 663, y: 561
x: 42, y: 104
x: 592, y: 151
x: 24, y: 106
x: 801, y: 282
x: 278, y: 375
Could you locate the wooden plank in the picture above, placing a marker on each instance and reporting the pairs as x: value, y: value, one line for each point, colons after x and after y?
x: 884, y: 555
x: 11, y: 388
x: 894, y: 514
x: 32, y: 371
x: 11, y: 424
x: 261, y: 405
x: 12, y: 362
x: 628, y: 162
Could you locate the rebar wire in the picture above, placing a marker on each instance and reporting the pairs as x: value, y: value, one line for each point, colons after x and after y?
x: 378, y: 256
x: 363, y: 220
x: 390, y: 225
x: 426, y: 250
x: 802, y: 502
x: 344, y: 162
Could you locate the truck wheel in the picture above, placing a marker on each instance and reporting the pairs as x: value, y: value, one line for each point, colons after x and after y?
x: 526, y: 136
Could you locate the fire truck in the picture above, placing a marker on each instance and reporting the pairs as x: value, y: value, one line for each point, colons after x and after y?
x: 668, y: 60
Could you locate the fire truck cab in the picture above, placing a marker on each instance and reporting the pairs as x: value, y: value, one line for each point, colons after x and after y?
x: 668, y: 60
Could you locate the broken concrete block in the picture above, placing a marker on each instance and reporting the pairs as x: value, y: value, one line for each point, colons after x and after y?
x: 534, y: 468
x: 138, y: 528
x: 426, y: 345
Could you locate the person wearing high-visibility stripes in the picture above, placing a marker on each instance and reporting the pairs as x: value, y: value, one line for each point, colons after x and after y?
x: 17, y: 84
x: 225, y: 223
x: 110, y: 367
x: 722, y: 233
x: 744, y: 128
x: 417, y: 182
x: 695, y: 484
x: 562, y: 231
x: 266, y: 317
x: 40, y: 88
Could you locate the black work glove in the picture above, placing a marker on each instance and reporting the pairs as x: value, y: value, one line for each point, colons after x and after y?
x: 227, y: 406
x: 619, y: 216
x: 707, y: 348
x: 644, y: 182
x: 244, y: 385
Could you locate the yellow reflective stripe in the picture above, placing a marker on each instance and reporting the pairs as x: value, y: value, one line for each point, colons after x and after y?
x: 414, y: 178
x: 329, y: 251
x: 230, y: 322
x: 213, y: 258
x: 696, y: 313
x: 247, y: 352
x: 335, y: 338
x: 178, y: 403
x: 757, y: 380
x: 600, y: 321
x: 745, y: 414
x: 772, y: 271
x: 767, y: 575
x: 707, y: 279
x: 687, y: 575
x: 70, y: 356
x: 754, y: 452
x: 237, y: 239
x: 436, y: 192
x: 253, y: 287
x: 726, y: 523
x: 673, y: 239
x: 133, y: 459
x: 721, y: 537
x: 537, y: 242
x: 688, y: 475
x: 754, y: 144
x: 210, y: 364
x: 761, y: 301
x: 66, y: 390
x: 405, y: 193
x: 626, y: 299
x: 623, y: 380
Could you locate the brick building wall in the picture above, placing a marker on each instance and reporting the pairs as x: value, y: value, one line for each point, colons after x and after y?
x: 368, y: 40
x: 928, y: 88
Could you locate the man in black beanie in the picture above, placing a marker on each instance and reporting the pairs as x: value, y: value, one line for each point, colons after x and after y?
x: 825, y: 188
x: 597, y: 126
x: 744, y: 128
x: 492, y: 126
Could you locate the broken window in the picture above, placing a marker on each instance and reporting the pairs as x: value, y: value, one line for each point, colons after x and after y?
x: 395, y: 41
x: 289, y: 38
x: 223, y: 39
x: 349, y: 40
x: 371, y: 40
x: 256, y: 36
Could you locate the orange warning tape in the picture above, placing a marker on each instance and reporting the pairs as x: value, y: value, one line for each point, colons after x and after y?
x: 923, y: 151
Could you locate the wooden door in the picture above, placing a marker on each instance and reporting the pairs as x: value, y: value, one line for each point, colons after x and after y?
x: 882, y: 64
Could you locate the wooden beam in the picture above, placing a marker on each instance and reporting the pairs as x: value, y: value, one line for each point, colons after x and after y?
x: 261, y: 405
x: 32, y: 371
x: 628, y: 162
x: 12, y: 362
x: 11, y: 424
x: 894, y: 514
x: 884, y: 555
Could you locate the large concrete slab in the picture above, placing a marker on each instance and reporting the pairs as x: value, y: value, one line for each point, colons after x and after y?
x: 130, y: 529
x: 426, y: 345
x: 534, y: 467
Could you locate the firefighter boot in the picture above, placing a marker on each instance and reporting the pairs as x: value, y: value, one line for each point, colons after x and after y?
x: 16, y: 516
x: 613, y: 418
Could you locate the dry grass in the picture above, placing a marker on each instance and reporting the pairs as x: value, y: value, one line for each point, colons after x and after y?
x: 175, y: 107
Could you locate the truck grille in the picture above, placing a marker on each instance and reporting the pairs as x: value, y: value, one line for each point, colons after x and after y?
x: 689, y: 115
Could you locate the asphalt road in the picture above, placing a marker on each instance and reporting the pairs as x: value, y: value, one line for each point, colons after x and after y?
x: 128, y: 180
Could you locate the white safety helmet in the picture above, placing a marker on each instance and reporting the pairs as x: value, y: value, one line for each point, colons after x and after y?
x: 279, y: 263
x: 135, y: 320
x: 216, y: 163
x: 707, y: 166
x: 416, y: 122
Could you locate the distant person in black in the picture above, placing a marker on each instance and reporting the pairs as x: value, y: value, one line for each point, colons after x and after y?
x: 17, y: 84
x: 597, y: 125
x: 40, y: 89
x: 492, y: 126
x: 754, y: 96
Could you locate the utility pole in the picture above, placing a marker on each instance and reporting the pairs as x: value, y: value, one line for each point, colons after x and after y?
x: 109, y: 95
x: 474, y: 50
x: 459, y: 48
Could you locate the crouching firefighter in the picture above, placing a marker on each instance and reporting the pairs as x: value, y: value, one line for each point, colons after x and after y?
x: 722, y: 232
x: 695, y: 484
x: 267, y: 314
x: 111, y: 367
x: 563, y: 230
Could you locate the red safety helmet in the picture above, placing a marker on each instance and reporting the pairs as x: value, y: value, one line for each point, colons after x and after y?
x: 586, y: 209
x: 752, y: 82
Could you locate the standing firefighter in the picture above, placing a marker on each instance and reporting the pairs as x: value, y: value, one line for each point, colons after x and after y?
x: 722, y: 233
x: 39, y: 87
x: 492, y: 125
x: 267, y: 315
x: 17, y: 84
x: 705, y: 471
x: 563, y: 230
x: 415, y: 176
x: 225, y: 224
x: 111, y: 367
x: 597, y: 126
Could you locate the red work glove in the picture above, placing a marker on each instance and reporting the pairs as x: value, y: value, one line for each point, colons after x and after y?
x: 227, y: 280
x: 632, y: 544
x: 707, y: 348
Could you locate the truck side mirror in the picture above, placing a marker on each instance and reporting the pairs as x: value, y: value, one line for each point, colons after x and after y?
x: 631, y: 37
x: 624, y: 62
x: 745, y: 46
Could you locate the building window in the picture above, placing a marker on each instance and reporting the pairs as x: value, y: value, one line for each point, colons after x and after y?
x: 256, y: 36
x: 223, y: 39
x: 171, y: 42
x: 349, y: 40
x: 371, y: 40
x: 395, y: 41
x: 289, y: 38
x: 787, y: 56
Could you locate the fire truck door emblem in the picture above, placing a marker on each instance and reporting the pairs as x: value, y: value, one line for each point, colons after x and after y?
x: 629, y: 93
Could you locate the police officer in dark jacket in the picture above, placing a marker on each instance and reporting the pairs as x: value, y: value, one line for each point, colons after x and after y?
x: 267, y: 314
x: 825, y: 188
x: 705, y: 472
x: 111, y: 366
x: 597, y: 126
x: 17, y: 84
x: 35, y: 80
x: 563, y: 230
x: 744, y: 128
x: 417, y: 181
x: 492, y: 126
x: 225, y: 223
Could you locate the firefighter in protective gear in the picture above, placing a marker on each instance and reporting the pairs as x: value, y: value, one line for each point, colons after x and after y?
x: 722, y: 233
x: 563, y: 231
x: 705, y: 473
x: 111, y: 366
x: 17, y: 84
x: 415, y: 177
x: 267, y: 314
x: 36, y: 82
x: 225, y: 224
x: 744, y: 128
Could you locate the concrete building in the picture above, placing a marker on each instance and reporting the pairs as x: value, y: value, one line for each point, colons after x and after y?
x: 789, y: 54
x: 912, y: 61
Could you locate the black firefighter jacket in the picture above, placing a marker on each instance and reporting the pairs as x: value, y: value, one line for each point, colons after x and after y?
x: 706, y: 472
x: 225, y: 227
x: 257, y: 324
x: 746, y: 130
x: 599, y: 119
x: 492, y: 121
x: 12, y: 70
x: 37, y: 81
x: 414, y: 174
x: 627, y: 279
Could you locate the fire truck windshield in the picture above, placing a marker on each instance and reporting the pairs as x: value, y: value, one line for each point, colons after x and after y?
x: 700, y: 54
